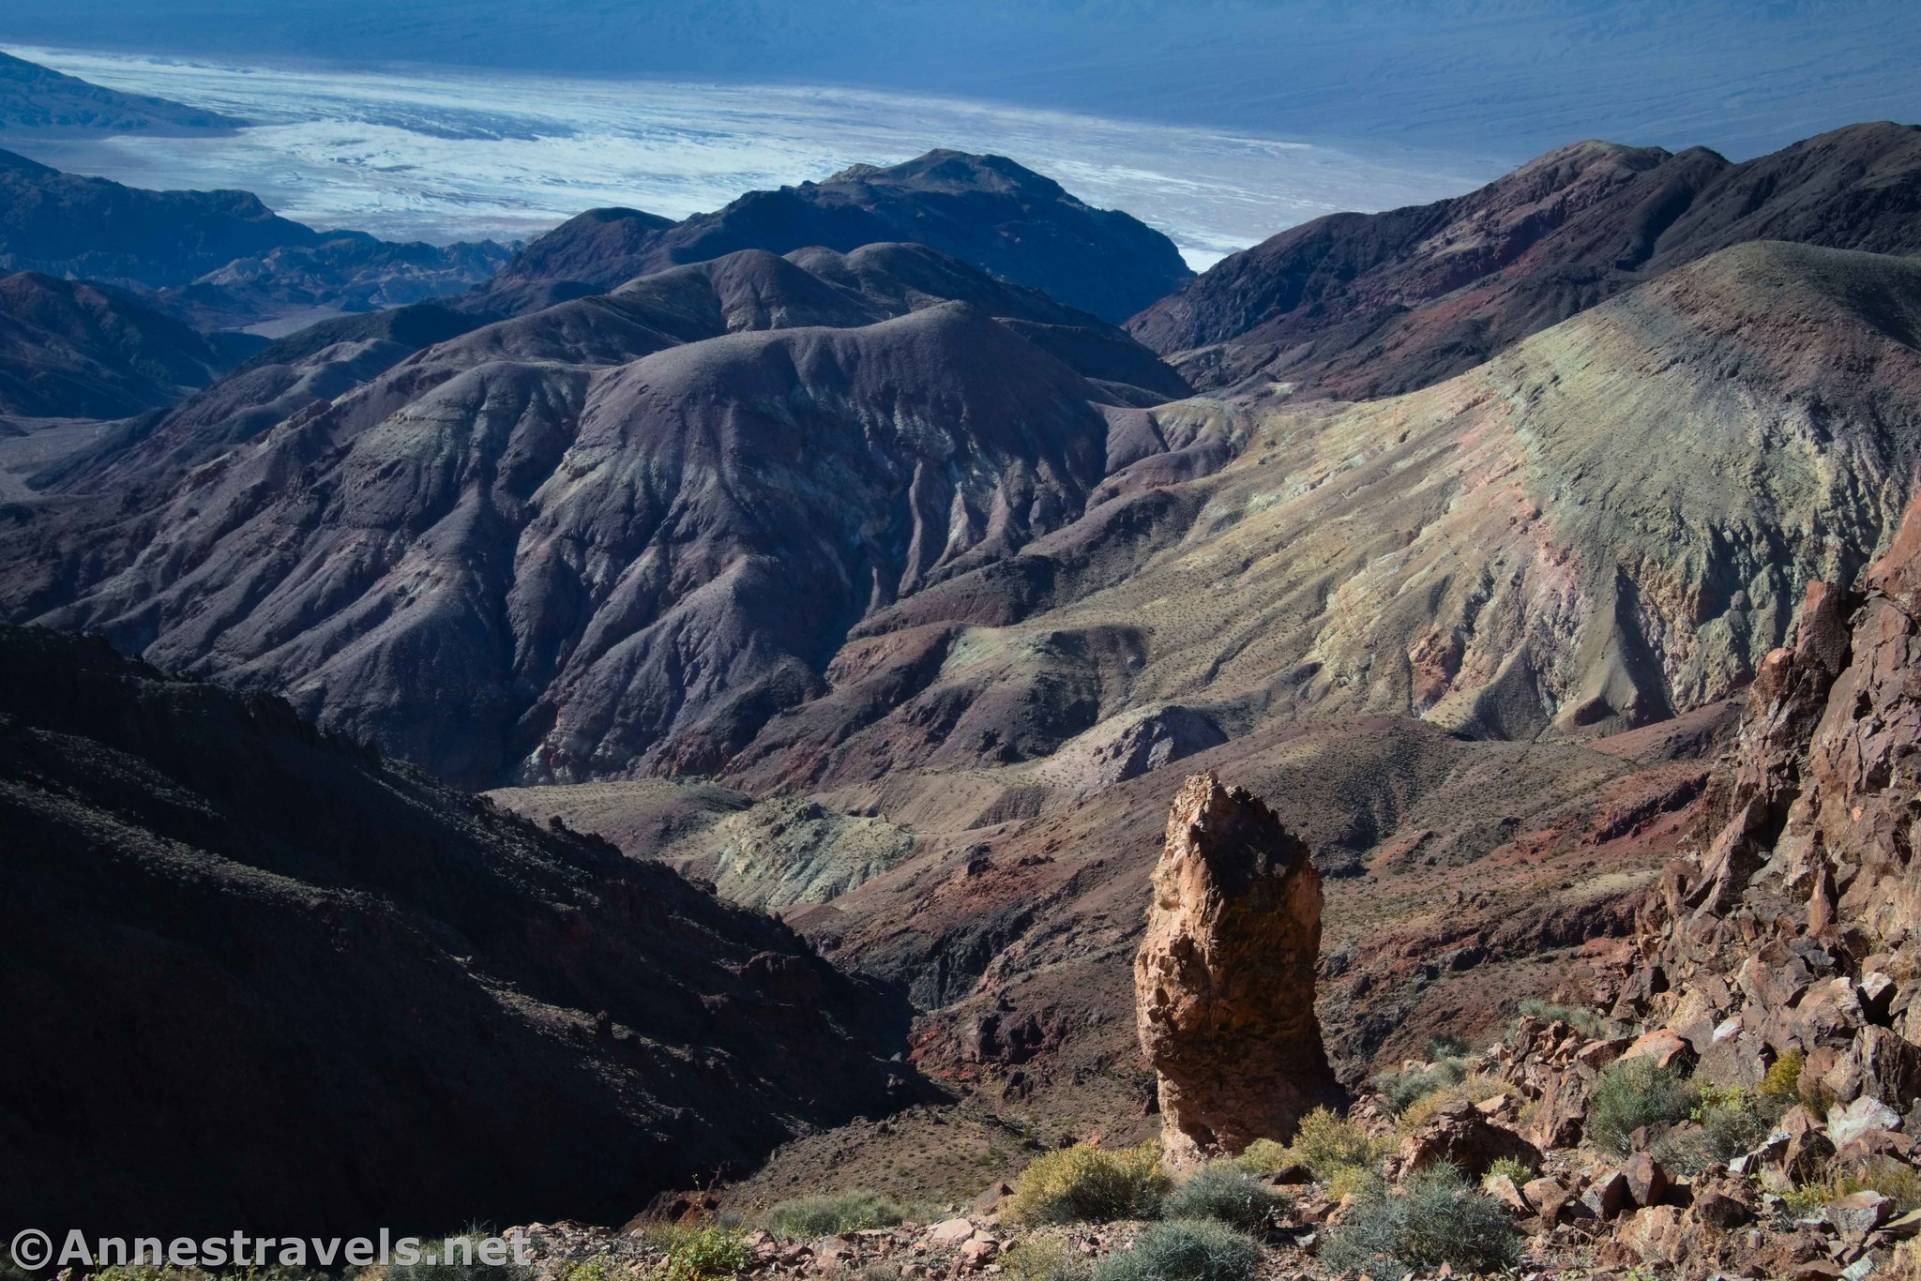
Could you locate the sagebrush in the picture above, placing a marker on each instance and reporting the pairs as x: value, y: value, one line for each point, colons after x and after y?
x: 1437, y: 1219
x: 1227, y: 1194
x: 1631, y: 1094
x: 1185, y: 1250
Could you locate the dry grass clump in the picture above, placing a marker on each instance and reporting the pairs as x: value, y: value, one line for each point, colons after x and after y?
x: 1044, y: 1257
x: 834, y: 1212
x: 1476, y: 1088
x: 1899, y: 1183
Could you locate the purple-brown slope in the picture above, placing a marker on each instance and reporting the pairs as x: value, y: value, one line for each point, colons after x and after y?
x: 1361, y: 305
x: 605, y: 538
x: 69, y: 349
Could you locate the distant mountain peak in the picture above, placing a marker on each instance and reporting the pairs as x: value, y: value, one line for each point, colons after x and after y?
x: 985, y: 210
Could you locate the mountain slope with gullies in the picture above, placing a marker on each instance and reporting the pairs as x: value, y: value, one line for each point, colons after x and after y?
x: 69, y: 349
x: 327, y: 995
x: 609, y: 537
x: 984, y: 210
x: 1354, y: 306
x: 1484, y: 632
x: 1606, y: 525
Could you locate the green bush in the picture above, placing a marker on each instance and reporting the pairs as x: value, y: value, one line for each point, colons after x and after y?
x: 701, y: 1251
x: 1085, y: 1184
x: 1733, y: 1122
x: 1046, y: 1258
x: 835, y: 1212
x: 1783, y: 1080
x: 1226, y: 1193
x: 1446, y: 1045
x: 1185, y: 1250
x: 1513, y: 1167
x: 1353, y: 1180
x: 1265, y: 1156
x: 1404, y: 1089
x: 1630, y: 1094
x: 1327, y: 1142
x: 1436, y: 1219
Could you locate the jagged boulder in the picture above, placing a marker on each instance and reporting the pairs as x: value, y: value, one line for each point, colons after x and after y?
x: 1459, y: 1134
x: 1224, y: 979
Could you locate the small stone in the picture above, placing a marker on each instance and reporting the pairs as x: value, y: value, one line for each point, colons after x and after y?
x: 1502, y: 1189
x: 1598, y: 1054
x: 949, y: 1232
x: 1813, y: 1270
x: 1548, y: 1197
x: 1662, y: 1045
x: 1608, y: 1197
x: 1719, y: 1210
x: 1903, y: 1228
x: 1646, y: 1180
x: 977, y: 1252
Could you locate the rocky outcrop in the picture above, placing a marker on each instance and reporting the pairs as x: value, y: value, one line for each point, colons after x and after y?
x: 1798, y: 928
x: 1224, y: 979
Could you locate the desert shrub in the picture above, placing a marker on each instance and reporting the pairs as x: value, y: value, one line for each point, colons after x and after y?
x: 1513, y: 1167
x: 1405, y: 1088
x: 601, y: 1267
x: 1046, y: 1258
x: 1438, y: 1218
x: 1085, y: 1184
x: 1265, y: 1156
x: 1783, y: 1079
x: 1475, y: 1089
x: 1631, y: 1093
x: 1733, y: 1121
x: 1446, y: 1045
x: 1583, y: 1020
x: 451, y: 1262
x: 1185, y: 1250
x: 701, y: 1251
x: 821, y: 1216
x: 1353, y: 1180
x: 1328, y: 1141
x: 1899, y: 1183
x: 1227, y: 1194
